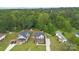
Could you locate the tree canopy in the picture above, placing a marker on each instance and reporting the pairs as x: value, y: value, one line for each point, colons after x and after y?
x: 43, y: 19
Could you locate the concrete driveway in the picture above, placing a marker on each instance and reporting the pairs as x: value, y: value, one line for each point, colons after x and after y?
x: 48, y: 45
x: 10, y: 47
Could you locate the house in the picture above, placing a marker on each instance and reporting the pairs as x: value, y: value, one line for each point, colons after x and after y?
x: 77, y: 34
x: 23, y: 37
x: 39, y: 37
x: 2, y: 36
x: 60, y: 36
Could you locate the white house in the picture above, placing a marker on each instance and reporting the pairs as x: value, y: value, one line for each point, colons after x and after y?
x: 60, y: 36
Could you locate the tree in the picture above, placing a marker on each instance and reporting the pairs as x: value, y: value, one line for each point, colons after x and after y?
x: 59, y: 22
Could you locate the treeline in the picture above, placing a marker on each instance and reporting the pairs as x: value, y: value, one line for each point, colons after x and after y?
x: 48, y: 20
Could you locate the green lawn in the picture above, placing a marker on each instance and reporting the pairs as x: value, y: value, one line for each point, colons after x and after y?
x: 55, y: 45
x: 6, y: 41
x: 73, y: 39
x: 29, y: 46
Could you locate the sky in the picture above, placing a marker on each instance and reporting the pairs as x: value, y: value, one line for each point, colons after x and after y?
x: 38, y: 3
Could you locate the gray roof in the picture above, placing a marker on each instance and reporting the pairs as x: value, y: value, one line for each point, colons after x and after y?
x: 24, y: 34
x: 39, y: 33
x: 39, y: 37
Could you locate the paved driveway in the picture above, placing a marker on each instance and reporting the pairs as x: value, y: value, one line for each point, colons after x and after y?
x: 10, y: 47
x: 48, y: 44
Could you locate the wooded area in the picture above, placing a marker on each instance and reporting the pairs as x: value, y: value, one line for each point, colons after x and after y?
x: 48, y: 20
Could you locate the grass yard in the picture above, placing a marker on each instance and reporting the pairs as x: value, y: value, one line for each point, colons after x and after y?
x: 28, y: 46
x: 5, y: 42
x: 58, y: 46
x: 73, y: 39
x: 55, y: 45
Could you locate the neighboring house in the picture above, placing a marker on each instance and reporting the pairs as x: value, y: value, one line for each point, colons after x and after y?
x: 60, y: 36
x: 2, y: 36
x: 77, y: 34
x: 23, y: 37
x: 39, y: 37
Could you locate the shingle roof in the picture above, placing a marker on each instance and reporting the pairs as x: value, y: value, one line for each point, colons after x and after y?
x: 39, y: 33
x: 24, y: 34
